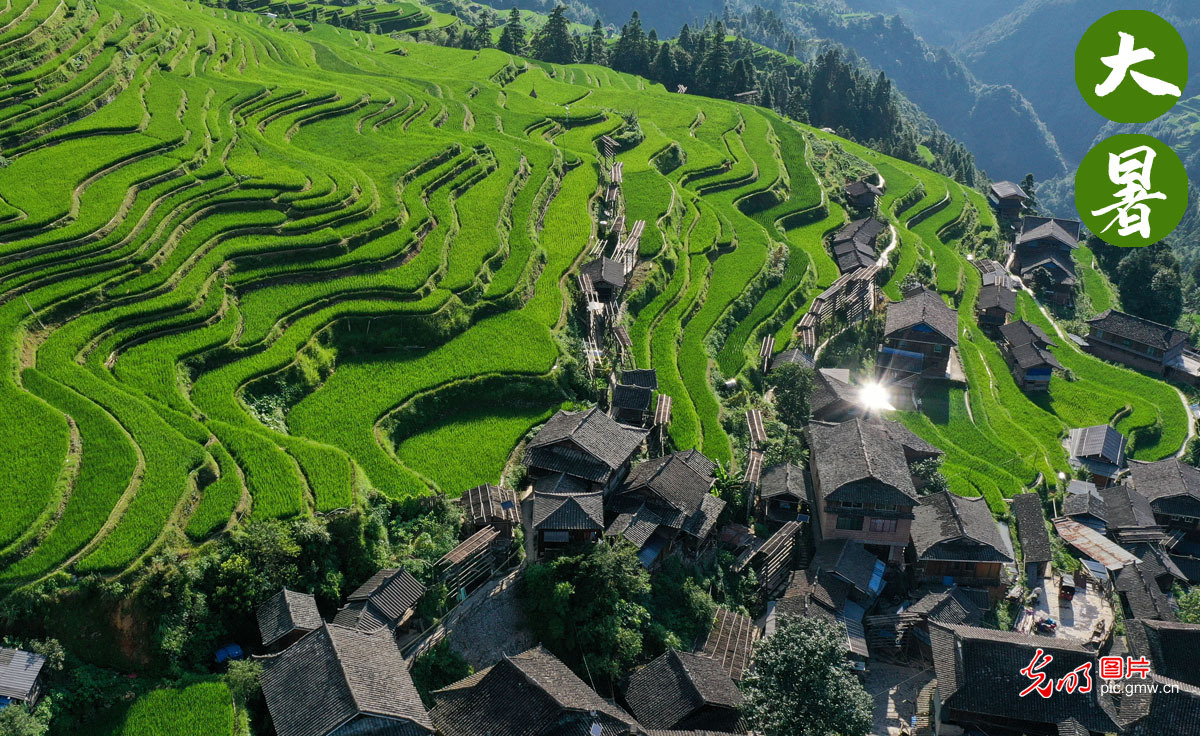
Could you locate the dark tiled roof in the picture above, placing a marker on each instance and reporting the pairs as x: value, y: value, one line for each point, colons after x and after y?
x: 978, y: 672
x: 1037, y: 228
x: 606, y: 271
x: 19, y: 670
x: 852, y: 255
x: 922, y: 307
x: 1156, y: 563
x: 951, y: 527
x: 730, y: 641
x: 912, y: 444
x: 671, y: 688
x: 1140, y: 592
x: 1085, y: 504
x: 1141, y: 330
x: 569, y: 511
x: 950, y: 606
x: 863, y: 230
x: 831, y: 385
x: 1126, y: 508
x: 599, y: 436
x: 1024, y: 333
x: 1031, y: 528
x: 861, y: 461
x: 1173, y: 648
x: 996, y: 295
x: 822, y: 595
x: 1058, y: 264
x: 680, y: 481
x: 529, y: 694
x: 644, y: 377
x: 1162, y: 714
x: 1101, y: 441
x: 1006, y: 189
x: 488, y: 503
x: 285, y: 612
x: 792, y: 356
x: 1166, y: 478
x: 861, y: 187
x: 636, y: 398
x: 334, y: 674
x: 383, y: 600
x: 848, y: 560
x: 1031, y: 356
x: 784, y: 479
x: 636, y: 527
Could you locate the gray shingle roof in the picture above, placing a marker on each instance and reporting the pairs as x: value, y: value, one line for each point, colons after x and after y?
x: 1173, y: 648
x: 529, y: 694
x: 636, y: 528
x: 1031, y: 528
x: 831, y: 385
x: 861, y: 187
x: 784, y: 479
x: 1022, y: 332
x: 950, y: 527
x: 863, y: 230
x: 1140, y: 592
x: 1162, y: 714
x: 1166, y: 479
x: 678, y: 480
x: 592, y: 431
x: 19, y: 670
x: 644, y: 377
x: 822, y: 595
x: 792, y: 356
x: 383, y: 600
x: 1006, y: 189
x: 570, y: 511
x: 978, y: 672
x: 635, y: 398
x: 1126, y: 508
x: 334, y: 674
x: 1141, y: 330
x: 848, y: 560
x: 671, y: 688
x: 1038, y: 228
x: 1085, y: 504
x: 950, y: 606
x: 285, y: 612
x: 1031, y: 356
x: 1101, y: 441
x: 859, y: 460
x: 604, y: 271
x: 922, y: 307
x: 997, y: 295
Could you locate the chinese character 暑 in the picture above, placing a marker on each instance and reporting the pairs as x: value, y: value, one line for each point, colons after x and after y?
x: 1121, y: 64
x: 1041, y: 681
x: 1130, y: 170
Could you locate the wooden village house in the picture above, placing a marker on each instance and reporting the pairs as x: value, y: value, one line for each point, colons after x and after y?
x: 1136, y: 342
x: 863, y: 195
x: 1047, y: 243
x: 1036, y: 551
x: 683, y: 691
x: 1007, y: 199
x: 919, y: 337
x: 338, y: 681
x: 862, y: 487
x: 581, y: 451
x: 1025, y: 348
x: 20, y: 676
x: 996, y: 303
x: 955, y: 541
x: 1173, y: 489
x: 387, y: 600
x: 285, y: 617
x: 562, y: 520
x: 674, y: 491
x: 1100, y: 450
x: 854, y: 245
x: 783, y: 494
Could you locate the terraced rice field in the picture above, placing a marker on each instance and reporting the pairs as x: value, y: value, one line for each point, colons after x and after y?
x: 236, y: 249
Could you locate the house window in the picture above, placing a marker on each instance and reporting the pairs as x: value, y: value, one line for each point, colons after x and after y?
x: 937, y: 349
x: 849, y: 522
x: 885, y: 526
x: 556, y: 537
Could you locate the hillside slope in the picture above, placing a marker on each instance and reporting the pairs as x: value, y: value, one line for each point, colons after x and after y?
x: 253, y: 271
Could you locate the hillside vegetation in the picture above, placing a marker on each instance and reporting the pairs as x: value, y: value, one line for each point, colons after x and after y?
x: 244, y: 260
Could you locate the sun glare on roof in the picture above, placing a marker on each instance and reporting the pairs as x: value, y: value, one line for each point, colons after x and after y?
x: 874, y: 396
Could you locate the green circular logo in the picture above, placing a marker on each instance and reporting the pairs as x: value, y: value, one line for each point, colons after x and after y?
x: 1131, y: 66
x: 1131, y: 190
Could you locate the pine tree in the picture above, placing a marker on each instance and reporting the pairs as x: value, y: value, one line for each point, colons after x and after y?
x: 685, y: 38
x: 713, y: 76
x: 663, y: 70
x: 553, y: 41
x: 512, y: 38
x: 597, y: 45
x: 629, y: 55
x: 482, y: 38
x: 1030, y: 188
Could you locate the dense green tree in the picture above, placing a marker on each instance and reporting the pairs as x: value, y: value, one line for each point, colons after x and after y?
x: 792, y: 384
x: 1167, y: 295
x: 17, y: 720
x: 1189, y: 604
x: 512, y: 38
x: 802, y: 684
x: 663, y: 67
x: 438, y: 667
x: 553, y: 42
x: 482, y: 37
x: 713, y: 76
x: 597, y: 45
x: 629, y: 53
x: 929, y: 472
x: 1029, y: 186
x: 589, y: 608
